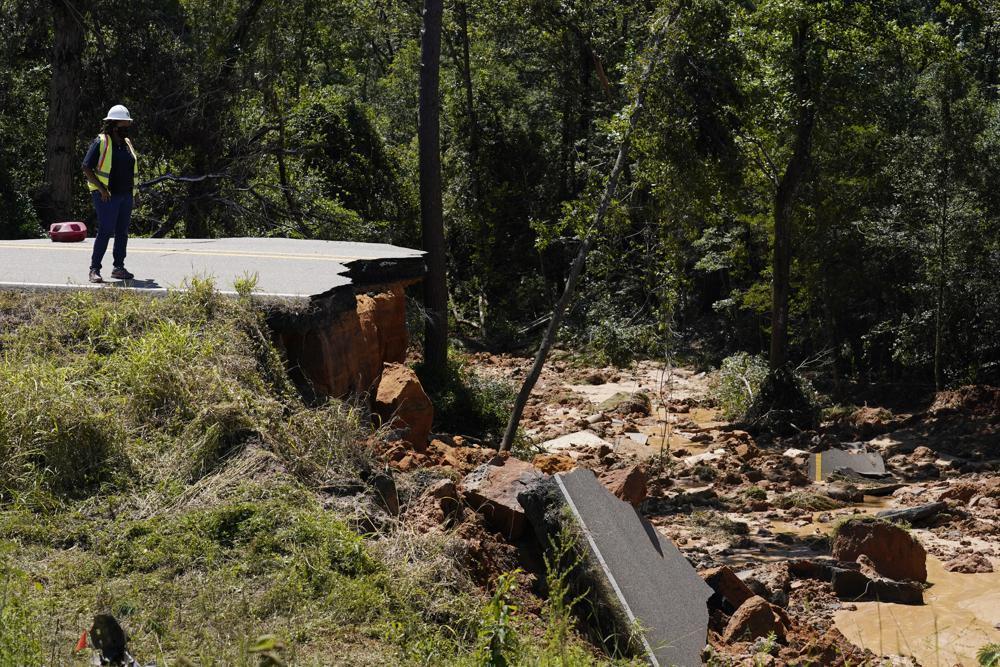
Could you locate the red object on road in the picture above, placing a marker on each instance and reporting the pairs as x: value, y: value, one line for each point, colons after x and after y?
x: 68, y: 231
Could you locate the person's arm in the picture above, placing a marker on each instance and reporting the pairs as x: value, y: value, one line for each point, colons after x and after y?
x: 89, y: 162
x: 92, y: 177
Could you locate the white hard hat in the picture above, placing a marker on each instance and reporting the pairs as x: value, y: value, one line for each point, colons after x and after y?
x: 118, y: 112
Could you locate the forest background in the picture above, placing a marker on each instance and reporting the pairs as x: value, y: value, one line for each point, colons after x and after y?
x: 870, y: 129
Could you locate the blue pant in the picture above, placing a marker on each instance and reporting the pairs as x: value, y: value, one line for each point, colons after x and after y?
x: 113, y: 218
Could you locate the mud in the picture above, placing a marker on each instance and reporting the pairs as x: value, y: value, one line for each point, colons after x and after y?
x: 960, y: 615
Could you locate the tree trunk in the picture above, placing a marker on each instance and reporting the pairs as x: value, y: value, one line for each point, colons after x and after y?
x: 784, y: 200
x: 589, y: 238
x: 61, y: 160
x: 470, y: 106
x: 431, y: 216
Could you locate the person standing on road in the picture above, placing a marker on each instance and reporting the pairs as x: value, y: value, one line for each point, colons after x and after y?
x: 112, y: 173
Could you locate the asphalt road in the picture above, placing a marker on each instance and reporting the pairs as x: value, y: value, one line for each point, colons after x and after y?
x: 288, y: 268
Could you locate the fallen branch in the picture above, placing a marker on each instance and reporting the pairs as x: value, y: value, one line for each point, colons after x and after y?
x: 184, y: 179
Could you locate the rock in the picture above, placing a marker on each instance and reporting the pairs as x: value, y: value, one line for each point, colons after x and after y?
x: 850, y: 581
x: 628, y: 484
x: 847, y: 493
x: 385, y: 491
x: 881, y: 490
x: 577, y: 440
x: 869, y: 422
x: 492, y: 491
x: 893, y: 551
x: 461, y: 459
x: 771, y: 581
x: 728, y: 588
x: 625, y: 403
x: 401, y: 402
x: 439, y: 505
x: 746, y: 452
x: 553, y: 463
x: 913, y: 515
x: 756, y: 618
x: 962, y: 493
x: 969, y: 564
x: 923, y: 452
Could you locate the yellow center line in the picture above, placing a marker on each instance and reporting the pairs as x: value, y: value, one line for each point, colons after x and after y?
x: 819, y: 467
x: 180, y: 251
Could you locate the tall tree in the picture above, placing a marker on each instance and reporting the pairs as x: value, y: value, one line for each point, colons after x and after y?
x: 56, y: 197
x: 786, y: 191
x: 431, y: 215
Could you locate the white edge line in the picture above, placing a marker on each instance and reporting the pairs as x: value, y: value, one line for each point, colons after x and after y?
x: 145, y: 290
x: 607, y: 571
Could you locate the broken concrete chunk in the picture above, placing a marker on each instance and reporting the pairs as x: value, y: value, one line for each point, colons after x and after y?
x: 824, y: 464
x: 639, y: 438
x: 643, y: 593
x: 706, y: 457
x: 492, y: 491
x: 574, y: 440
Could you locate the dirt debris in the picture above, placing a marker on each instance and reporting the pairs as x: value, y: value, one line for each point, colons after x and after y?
x: 741, y: 508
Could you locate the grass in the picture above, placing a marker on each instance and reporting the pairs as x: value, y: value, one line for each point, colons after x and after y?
x: 811, y: 502
x: 160, y: 467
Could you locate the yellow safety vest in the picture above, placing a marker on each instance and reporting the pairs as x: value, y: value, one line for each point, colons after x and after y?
x: 103, y: 169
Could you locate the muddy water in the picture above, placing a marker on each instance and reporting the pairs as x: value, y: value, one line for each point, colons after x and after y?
x: 870, y: 505
x: 958, y: 617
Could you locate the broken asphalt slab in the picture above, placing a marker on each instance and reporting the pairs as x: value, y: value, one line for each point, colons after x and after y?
x: 912, y: 515
x: 643, y: 593
x: 824, y: 464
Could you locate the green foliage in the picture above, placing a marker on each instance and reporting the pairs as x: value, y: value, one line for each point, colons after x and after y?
x: 20, y: 642
x: 469, y: 402
x: 755, y: 493
x: 179, y: 492
x: 614, y: 339
x: 988, y: 655
x: 738, y: 382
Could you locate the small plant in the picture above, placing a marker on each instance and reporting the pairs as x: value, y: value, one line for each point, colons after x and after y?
x: 755, y: 493
x: 989, y: 655
x: 246, y: 285
x: 705, y: 473
x: 764, y: 646
x: 560, y: 563
x: 498, y: 642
